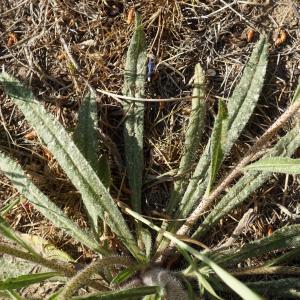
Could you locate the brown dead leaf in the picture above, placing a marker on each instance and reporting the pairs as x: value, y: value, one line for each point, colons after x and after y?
x: 11, y: 39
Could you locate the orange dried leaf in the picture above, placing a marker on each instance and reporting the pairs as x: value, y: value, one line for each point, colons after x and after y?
x: 270, y: 231
x: 46, y: 153
x: 11, y: 39
x: 30, y: 135
x: 281, y: 38
x: 130, y: 16
x: 250, y: 35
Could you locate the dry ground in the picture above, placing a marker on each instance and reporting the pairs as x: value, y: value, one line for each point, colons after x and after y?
x: 179, y: 33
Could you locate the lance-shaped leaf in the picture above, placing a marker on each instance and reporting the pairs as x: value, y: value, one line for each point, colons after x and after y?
x: 8, y: 206
x: 192, y: 138
x: 284, y: 258
x: 246, y: 94
x: 45, y: 249
x: 296, y: 94
x: 282, y: 238
x: 25, y: 280
x: 128, y: 294
x: 14, y: 295
x: 11, y: 234
x: 249, y: 183
x: 134, y: 81
x: 227, y: 278
x: 41, y: 202
x: 95, y: 196
x: 191, y: 146
x: 240, y: 108
x: 287, y: 288
x: 196, y: 272
x: 86, y: 137
x: 276, y: 165
x: 218, y: 142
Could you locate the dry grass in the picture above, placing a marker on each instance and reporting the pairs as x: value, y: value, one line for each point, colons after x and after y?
x: 179, y: 34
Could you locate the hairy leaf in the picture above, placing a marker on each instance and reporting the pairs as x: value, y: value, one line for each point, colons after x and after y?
x: 124, y: 275
x: 296, y: 94
x: 240, y: 108
x: 134, y: 80
x: 243, y: 291
x: 86, y: 137
x: 25, y: 280
x: 287, y: 288
x: 192, y: 138
x: 218, y: 142
x: 282, y: 238
x: 276, y: 165
x: 41, y: 202
x: 249, y: 183
x: 133, y: 293
x: 11, y: 266
x: 246, y: 94
x: 96, y: 198
x: 11, y: 234
x: 284, y: 258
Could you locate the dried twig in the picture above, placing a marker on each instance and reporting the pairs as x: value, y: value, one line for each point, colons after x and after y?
x: 244, y: 222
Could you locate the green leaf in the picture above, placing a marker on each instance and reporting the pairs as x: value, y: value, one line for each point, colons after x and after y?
x: 246, y: 94
x: 103, y: 170
x: 134, y: 81
x: 284, y: 258
x: 283, y: 238
x: 243, y: 291
x: 134, y: 293
x: 192, y: 138
x: 95, y: 196
x: 296, y: 96
x: 203, y: 283
x: 218, y: 142
x: 86, y: 137
x: 11, y: 234
x: 45, y: 249
x: 240, y: 107
x: 41, y: 202
x: 11, y: 203
x: 124, y: 275
x: 287, y: 288
x: 248, y: 184
x: 206, y: 285
x: 11, y: 266
x: 190, y: 291
x: 276, y: 165
x: 14, y: 172
x: 147, y: 241
x: 25, y: 280
x: 14, y: 295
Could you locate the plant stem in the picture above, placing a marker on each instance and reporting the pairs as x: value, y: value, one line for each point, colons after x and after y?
x: 85, y: 275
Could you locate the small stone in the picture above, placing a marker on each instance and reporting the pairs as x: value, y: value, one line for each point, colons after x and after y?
x: 211, y: 72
